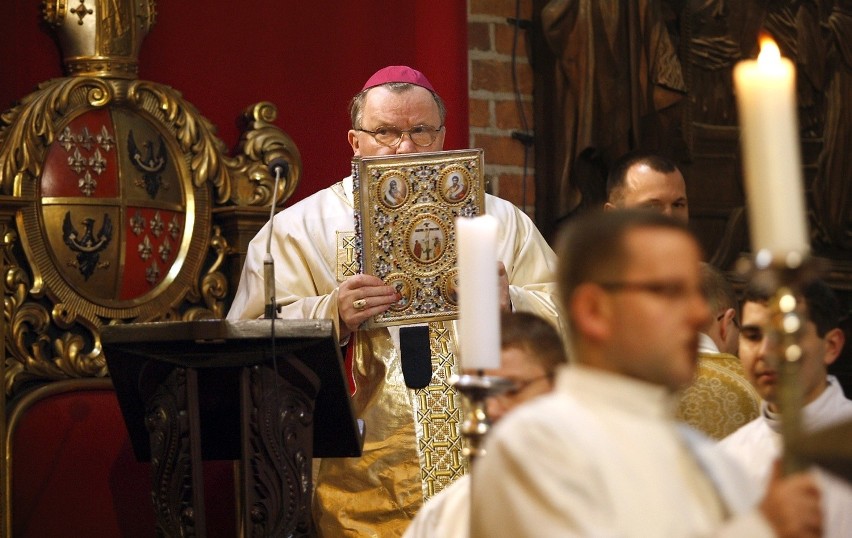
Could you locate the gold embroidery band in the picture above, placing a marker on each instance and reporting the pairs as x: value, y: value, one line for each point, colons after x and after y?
x: 439, y: 417
x: 347, y: 255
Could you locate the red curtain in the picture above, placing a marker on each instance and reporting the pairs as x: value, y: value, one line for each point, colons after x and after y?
x: 308, y: 58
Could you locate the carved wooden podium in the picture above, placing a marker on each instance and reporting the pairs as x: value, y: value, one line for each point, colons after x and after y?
x: 210, y: 390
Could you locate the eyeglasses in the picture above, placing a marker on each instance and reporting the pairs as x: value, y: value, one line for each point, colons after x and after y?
x: 672, y: 290
x: 518, y: 386
x: 420, y: 135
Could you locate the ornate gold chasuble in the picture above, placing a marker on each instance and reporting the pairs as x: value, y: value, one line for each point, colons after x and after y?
x: 413, y: 444
x: 721, y: 399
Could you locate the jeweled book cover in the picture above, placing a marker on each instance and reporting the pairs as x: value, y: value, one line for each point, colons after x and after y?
x: 405, y: 211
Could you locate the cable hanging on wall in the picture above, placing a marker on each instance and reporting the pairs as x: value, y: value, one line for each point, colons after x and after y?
x: 524, y: 136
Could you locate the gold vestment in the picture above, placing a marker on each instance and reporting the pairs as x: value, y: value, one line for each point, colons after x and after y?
x: 412, y: 446
x: 720, y: 399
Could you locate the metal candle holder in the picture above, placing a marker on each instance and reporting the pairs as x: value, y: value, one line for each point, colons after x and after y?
x: 785, y: 327
x: 783, y: 278
x: 476, y: 389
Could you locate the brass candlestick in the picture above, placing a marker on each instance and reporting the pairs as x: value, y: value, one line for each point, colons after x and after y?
x: 783, y: 278
x: 785, y: 327
x: 476, y: 389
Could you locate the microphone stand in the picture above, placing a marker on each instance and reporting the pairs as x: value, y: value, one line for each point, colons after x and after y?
x: 270, y: 310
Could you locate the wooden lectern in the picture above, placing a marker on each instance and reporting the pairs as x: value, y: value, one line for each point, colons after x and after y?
x: 227, y: 390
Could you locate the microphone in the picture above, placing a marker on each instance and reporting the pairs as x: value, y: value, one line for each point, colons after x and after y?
x: 277, y: 167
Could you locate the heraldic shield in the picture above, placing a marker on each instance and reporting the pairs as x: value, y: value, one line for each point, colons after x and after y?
x: 115, y: 212
x: 117, y: 220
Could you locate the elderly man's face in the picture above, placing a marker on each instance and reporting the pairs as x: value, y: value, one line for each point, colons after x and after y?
x: 663, y: 192
x: 383, y: 108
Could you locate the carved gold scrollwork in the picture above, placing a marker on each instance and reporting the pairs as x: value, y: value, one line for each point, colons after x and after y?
x: 16, y: 284
x: 36, y: 349
x: 62, y: 316
x: 214, y: 284
x: 29, y: 338
x: 260, y: 143
x: 193, y: 132
x: 35, y: 356
x: 74, y: 361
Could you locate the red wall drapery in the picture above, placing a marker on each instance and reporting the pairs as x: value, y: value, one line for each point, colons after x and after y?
x: 308, y: 58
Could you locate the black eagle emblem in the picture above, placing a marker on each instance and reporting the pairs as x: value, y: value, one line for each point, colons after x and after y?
x: 87, y: 246
x: 149, y: 164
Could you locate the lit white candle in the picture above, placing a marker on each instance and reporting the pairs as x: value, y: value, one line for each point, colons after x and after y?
x: 479, y: 303
x: 766, y: 103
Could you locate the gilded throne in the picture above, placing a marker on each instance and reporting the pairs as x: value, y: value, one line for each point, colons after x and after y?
x: 119, y: 205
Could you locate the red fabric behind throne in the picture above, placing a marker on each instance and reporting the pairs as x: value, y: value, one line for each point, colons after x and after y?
x: 74, y: 473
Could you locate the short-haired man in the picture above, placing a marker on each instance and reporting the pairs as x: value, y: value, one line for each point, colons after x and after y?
x: 722, y: 334
x: 530, y: 352
x: 642, y: 179
x: 721, y: 399
x: 756, y: 444
x: 601, y: 455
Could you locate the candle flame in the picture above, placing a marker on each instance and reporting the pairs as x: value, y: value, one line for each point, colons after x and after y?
x: 769, y: 52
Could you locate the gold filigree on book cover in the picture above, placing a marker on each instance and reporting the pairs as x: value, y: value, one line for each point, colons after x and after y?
x: 405, y: 211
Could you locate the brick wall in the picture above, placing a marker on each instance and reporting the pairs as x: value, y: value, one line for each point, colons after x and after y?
x: 494, y: 111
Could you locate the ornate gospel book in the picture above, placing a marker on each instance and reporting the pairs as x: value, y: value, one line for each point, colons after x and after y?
x: 405, y: 211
